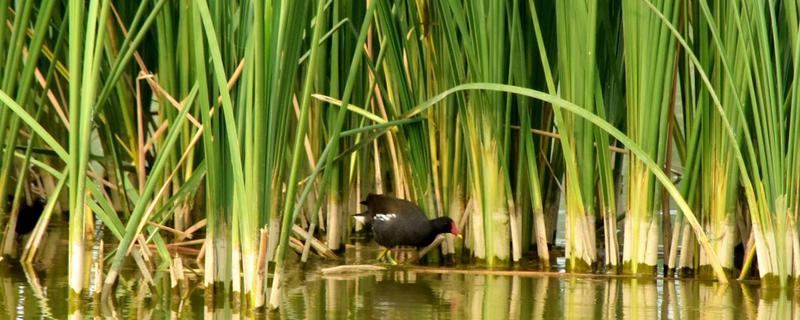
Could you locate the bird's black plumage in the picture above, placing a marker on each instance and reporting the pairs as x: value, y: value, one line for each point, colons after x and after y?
x: 398, y: 222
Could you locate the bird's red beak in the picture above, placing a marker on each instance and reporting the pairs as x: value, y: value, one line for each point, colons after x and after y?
x: 453, y: 228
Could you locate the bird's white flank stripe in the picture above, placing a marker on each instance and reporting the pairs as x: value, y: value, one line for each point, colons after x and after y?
x: 385, y: 216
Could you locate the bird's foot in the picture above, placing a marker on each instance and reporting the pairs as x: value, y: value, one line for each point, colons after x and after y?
x: 386, y: 257
x: 382, y: 256
x: 391, y: 260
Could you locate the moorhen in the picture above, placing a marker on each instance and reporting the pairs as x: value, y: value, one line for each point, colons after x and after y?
x: 397, y: 222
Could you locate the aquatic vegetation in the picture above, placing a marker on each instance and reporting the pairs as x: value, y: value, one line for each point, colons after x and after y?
x: 238, y: 134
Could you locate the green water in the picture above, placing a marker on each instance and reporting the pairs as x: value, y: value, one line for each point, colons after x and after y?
x: 398, y: 294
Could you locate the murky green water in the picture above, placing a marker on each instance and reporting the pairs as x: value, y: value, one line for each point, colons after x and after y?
x: 401, y: 294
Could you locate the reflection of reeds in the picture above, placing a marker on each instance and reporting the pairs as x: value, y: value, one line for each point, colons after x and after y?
x: 42, y: 301
x: 611, y: 299
x: 748, y: 300
x: 716, y: 301
x: 639, y: 299
x: 540, y: 296
x: 497, y: 297
x: 475, y: 298
x: 515, y: 299
x: 9, y: 297
x: 577, y: 292
x: 670, y: 306
x: 335, y: 296
x: 777, y: 305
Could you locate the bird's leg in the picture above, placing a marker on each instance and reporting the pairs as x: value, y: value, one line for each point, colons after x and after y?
x: 386, y: 256
x: 382, y: 256
x: 390, y: 258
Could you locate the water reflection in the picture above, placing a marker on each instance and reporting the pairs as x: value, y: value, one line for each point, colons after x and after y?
x: 406, y: 294
x: 412, y: 295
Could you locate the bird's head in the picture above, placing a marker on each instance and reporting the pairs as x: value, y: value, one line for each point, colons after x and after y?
x: 370, y: 199
x: 454, y: 228
x: 445, y: 225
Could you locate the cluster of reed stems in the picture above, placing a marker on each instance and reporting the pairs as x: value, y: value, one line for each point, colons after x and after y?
x: 259, y: 125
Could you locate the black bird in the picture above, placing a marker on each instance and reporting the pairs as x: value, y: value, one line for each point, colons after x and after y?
x: 398, y: 222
